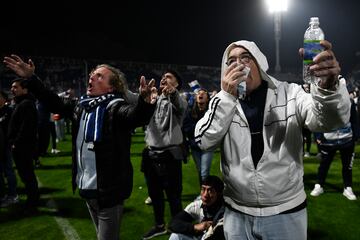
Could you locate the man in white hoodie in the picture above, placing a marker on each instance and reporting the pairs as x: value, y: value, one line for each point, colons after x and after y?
x: 261, y: 140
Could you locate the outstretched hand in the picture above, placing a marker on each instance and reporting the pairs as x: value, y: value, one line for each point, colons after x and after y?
x: 325, y: 66
x: 148, y: 91
x: 21, y: 68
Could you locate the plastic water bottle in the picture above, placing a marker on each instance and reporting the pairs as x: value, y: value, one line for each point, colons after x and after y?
x: 312, y: 37
x: 242, y: 85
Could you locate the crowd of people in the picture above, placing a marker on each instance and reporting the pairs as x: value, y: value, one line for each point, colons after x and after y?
x: 260, y: 194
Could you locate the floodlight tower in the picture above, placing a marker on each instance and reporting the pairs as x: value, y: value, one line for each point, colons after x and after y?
x: 276, y: 7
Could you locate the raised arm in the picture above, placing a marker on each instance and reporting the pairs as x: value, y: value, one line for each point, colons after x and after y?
x: 26, y: 70
x: 20, y: 68
x: 211, y: 129
x: 329, y: 106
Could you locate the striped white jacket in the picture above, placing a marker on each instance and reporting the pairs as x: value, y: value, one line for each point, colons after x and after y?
x: 276, y: 185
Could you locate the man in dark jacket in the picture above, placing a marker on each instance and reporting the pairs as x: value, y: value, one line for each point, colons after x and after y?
x: 102, y: 123
x: 6, y: 163
x: 22, y: 137
x: 203, y: 218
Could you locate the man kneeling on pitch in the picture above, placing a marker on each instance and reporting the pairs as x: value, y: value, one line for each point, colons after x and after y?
x: 203, y: 218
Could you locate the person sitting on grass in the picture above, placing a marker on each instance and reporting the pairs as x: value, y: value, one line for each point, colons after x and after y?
x: 203, y: 218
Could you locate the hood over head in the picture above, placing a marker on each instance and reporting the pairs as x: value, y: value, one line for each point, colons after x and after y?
x: 255, y: 52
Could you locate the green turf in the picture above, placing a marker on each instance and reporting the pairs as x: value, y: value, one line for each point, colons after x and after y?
x: 330, y: 216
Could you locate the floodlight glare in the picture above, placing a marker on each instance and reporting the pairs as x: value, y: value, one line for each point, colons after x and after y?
x: 277, y: 5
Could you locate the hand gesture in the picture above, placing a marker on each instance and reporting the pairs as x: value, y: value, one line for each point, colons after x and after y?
x: 148, y: 91
x: 21, y: 68
x: 325, y: 66
x: 232, y: 77
x: 168, y: 89
x: 203, y: 226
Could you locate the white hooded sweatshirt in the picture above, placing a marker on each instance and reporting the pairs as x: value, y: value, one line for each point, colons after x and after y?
x: 276, y: 184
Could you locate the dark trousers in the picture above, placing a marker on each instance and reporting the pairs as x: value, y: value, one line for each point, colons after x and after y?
x: 53, y: 135
x: 107, y: 221
x: 25, y: 168
x: 44, y: 138
x: 327, y: 156
x: 7, y: 170
x: 306, y: 139
x: 163, y: 173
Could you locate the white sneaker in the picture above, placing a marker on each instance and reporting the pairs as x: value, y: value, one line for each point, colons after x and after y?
x: 317, y: 190
x: 348, y: 192
x: 148, y: 201
x: 55, y: 151
x: 306, y: 154
x: 9, y: 200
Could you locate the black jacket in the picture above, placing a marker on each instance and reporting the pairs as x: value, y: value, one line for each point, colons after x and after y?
x: 113, y: 166
x: 5, y: 115
x: 22, y: 129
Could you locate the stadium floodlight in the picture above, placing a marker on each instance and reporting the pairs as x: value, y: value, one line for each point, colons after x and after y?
x: 276, y: 7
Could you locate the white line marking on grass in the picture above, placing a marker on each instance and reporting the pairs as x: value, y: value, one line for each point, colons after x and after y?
x: 68, y: 231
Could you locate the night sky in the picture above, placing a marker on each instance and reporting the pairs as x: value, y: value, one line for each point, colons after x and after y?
x: 179, y: 32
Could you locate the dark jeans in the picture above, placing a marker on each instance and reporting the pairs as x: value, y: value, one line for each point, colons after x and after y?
x: 7, y: 170
x: 327, y: 156
x: 163, y: 173
x: 44, y: 138
x: 25, y: 168
x: 53, y: 135
x: 306, y: 139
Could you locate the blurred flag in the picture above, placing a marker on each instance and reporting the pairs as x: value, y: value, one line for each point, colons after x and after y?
x: 195, y: 86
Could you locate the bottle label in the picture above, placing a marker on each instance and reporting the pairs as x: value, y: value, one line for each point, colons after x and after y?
x: 311, y: 49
